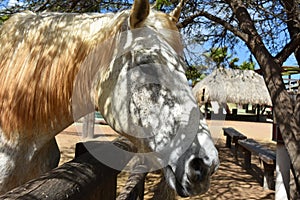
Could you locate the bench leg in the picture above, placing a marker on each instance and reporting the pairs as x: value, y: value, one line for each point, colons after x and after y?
x: 268, y: 182
x: 236, y: 148
x: 228, y: 141
x: 247, y: 159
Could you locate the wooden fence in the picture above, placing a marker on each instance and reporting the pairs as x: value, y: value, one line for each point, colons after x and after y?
x: 84, y: 178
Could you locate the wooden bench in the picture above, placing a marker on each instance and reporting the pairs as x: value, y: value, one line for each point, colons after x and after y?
x: 267, y: 156
x: 234, y: 136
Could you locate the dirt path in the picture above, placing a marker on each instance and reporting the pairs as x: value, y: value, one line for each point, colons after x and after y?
x: 230, y: 182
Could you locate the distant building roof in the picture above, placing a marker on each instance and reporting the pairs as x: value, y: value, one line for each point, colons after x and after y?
x: 232, y: 86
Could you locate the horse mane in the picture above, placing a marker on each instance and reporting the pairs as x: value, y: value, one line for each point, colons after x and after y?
x: 40, y: 57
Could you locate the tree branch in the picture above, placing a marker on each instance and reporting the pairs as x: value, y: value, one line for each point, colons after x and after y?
x: 293, y: 22
x: 213, y: 18
x: 42, y: 7
x: 288, y: 49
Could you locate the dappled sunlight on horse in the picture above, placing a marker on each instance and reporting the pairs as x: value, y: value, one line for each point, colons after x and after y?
x: 56, y: 68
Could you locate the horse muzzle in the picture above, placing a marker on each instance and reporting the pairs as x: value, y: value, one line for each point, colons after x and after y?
x: 192, y: 173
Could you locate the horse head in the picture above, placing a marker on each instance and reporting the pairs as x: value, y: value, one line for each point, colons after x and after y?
x: 144, y: 95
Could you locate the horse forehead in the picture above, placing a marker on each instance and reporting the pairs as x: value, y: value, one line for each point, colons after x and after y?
x: 149, y: 40
x: 161, y: 20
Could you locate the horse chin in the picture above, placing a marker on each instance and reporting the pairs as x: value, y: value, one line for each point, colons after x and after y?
x: 188, y: 189
x: 184, y: 189
x: 174, y: 183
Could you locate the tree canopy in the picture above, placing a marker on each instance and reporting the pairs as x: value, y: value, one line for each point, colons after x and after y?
x: 209, y: 23
x: 217, y: 23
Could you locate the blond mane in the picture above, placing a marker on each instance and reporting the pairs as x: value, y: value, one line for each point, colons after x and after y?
x: 40, y: 56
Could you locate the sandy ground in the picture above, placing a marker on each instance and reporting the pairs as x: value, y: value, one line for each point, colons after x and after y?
x: 230, y: 182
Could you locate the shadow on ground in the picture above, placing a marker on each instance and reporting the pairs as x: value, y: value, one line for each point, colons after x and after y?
x: 230, y: 182
x: 233, y: 182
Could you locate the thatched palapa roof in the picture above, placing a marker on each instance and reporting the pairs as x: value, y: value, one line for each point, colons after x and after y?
x: 233, y: 86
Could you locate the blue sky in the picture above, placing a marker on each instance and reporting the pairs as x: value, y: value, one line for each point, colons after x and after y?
x: 6, y: 3
x: 243, y: 53
x: 12, y: 2
x: 291, y: 61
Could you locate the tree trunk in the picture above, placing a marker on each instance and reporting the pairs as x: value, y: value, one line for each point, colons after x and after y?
x: 283, y: 106
x: 285, y: 110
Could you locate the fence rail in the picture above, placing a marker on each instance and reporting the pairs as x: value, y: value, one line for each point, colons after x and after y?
x: 83, y: 178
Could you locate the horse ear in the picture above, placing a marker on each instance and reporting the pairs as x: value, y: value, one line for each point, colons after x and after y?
x: 139, y: 12
x: 176, y: 12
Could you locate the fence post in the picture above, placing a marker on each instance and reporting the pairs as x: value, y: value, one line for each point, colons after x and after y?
x: 88, y: 125
x: 134, y: 188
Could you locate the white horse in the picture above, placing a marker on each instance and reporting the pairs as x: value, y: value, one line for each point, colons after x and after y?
x: 55, y: 68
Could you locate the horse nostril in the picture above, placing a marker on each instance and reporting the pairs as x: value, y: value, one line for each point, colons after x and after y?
x: 196, y: 164
x: 197, y: 170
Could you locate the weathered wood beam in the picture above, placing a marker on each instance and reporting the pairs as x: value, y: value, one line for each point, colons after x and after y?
x: 134, y: 188
x: 82, y: 178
